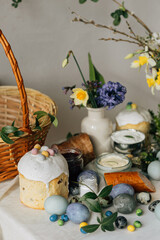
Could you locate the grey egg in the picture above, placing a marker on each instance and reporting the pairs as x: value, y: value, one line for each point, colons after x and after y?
x: 124, y: 203
x: 143, y: 197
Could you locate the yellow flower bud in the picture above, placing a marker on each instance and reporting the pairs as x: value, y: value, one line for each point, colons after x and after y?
x: 65, y: 62
x: 130, y: 55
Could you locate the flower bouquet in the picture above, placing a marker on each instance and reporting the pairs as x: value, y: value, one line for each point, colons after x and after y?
x: 95, y: 92
x: 149, y: 53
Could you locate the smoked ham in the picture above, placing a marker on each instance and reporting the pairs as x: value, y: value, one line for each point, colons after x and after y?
x: 137, y: 180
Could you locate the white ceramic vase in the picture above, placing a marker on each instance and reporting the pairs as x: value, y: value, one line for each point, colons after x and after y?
x: 99, y: 128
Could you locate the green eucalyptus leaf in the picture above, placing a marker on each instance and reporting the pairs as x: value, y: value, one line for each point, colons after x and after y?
x: 93, y: 205
x: 40, y: 114
x: 89, y: 195
x: 13, y: 123
x: 6, y: 139
x: 94, y: 0
x: 91, y: 228
x: 107, y: 222
x: 82, y: 1
x: 105, y: 191
x: 98, y: 220
x: 9, y: 129
x: 125, y: 14
x: 69, y: 135
x: 102, y: 228
x: 109, y: 227
x: 54, y: 120
x: 18, y: 133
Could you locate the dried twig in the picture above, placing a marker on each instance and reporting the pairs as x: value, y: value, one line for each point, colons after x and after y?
x: 137, y: 18
x: 130, y: 29
x: 120, y: 40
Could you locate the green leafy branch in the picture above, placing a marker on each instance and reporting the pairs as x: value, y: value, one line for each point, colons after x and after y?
x: 9, y: 131
x: 40, y: 114
x: 118, y: 13
x: 93, y: 201
x: 15, y: 3
x: 155, y: 125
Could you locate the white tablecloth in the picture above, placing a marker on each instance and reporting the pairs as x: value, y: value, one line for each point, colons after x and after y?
x: 18, y: 222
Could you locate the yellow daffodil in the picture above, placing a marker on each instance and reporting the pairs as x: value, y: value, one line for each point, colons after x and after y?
x: 152, y: 81
x: 80, y: 96
x: 142, y: 60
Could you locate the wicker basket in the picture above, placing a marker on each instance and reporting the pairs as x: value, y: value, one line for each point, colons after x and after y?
x: 19, y: 104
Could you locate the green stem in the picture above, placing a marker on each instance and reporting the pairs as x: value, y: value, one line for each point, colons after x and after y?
x: 89, y: 92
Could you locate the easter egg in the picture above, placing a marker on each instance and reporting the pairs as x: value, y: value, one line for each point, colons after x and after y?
x: 153, y: 205
x: 56, y: 205
x: 121, y: 222
x: 137, y: 224
x: 124, y: 203
x: 157, y: 211
x: 143, y: 197
x: 139, y: 212
x: 77, y: 213
x: 131, y: 228
x: 122, y: 188
x: 154, y: 170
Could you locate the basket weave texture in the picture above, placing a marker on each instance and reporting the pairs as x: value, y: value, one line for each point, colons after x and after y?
x: 19, y: 105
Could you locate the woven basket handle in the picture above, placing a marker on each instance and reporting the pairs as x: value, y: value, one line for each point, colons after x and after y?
x: 19, y: 80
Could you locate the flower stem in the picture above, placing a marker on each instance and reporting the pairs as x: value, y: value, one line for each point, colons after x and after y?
x: 93, y: 102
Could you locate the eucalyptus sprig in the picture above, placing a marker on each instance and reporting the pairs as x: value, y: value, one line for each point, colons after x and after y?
x: 155, y: 125
x: 83, y: 1
x: 10, y: 130
x: 40, y: 114
x: 15, y: 3
x: 93, y: 201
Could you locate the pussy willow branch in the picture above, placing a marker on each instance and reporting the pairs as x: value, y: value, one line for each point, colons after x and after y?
x: 130, y: 29
x: 137, y: 18
x: 119, y: 40
x: 114, y: 30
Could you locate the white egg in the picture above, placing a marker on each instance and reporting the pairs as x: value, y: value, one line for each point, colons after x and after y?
x: 158, y: 155
x: 56, y: 205
x: 157, y: 211
x: 154, y: 170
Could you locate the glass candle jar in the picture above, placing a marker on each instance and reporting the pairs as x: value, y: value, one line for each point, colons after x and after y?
x: 112, y: 162
x: 75, y: 162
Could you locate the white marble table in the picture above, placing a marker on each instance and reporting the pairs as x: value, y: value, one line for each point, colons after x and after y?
x: 18, y: 222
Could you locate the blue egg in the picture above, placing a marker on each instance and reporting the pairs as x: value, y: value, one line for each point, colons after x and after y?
x: 82, y: 231
x: 122, y: 188
x: 108, y: 213
x: 53, y: 218
x: 56, y: 205
x: 77, y: 213
x: 64, y: 217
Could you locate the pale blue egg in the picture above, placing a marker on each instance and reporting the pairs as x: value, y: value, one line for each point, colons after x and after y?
x: 157, y: 211
x: 154, y: 170
x: 56, y: 205
x: 77, y: 213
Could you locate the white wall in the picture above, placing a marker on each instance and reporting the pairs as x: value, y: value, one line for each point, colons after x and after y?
x: 41, y: 33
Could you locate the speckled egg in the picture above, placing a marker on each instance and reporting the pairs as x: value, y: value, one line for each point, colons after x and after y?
x: 56, y: 205
x: 77, y: 213
x: 122, y: 188
x: 157, y: 211
x: 154, y: 170
x: 143, y: 197
x: 124, y: 203
x: 153, y: 205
